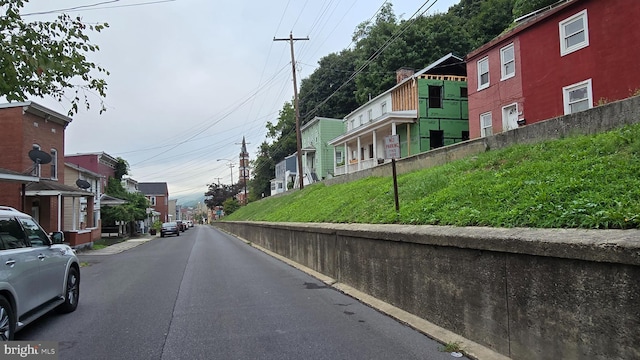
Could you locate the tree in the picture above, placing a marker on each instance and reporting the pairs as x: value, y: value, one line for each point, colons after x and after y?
x: 327, y: 91
x: 524, y: 7
x: 217, y: 194
x: 135, y: 209
x: 263, y: 172
x: 122, y: 168
x: 46, y: 58
x: 230, y: 205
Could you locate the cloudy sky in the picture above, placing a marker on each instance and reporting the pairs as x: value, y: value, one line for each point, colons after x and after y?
x: 190, y: 78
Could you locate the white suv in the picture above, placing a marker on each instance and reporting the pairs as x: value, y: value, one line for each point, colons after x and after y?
x: 39, y: 272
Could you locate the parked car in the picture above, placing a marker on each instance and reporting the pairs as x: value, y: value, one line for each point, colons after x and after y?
x: 190, y: 223
x: 170, y: 228
x: 41, y: 273
x: 182, y: 225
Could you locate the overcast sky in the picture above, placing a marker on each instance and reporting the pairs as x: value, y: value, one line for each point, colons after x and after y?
x: 190, y: 78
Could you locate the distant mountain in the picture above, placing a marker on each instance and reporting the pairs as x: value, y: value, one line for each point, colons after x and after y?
x: 190, y: 199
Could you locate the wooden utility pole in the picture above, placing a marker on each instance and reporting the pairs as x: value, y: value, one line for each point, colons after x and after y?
x: 291, y: 39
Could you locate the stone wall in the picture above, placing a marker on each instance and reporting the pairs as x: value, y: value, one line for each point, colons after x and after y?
x: 525, y: 293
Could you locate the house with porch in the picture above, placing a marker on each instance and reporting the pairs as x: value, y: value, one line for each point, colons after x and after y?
x: 426, y: 110
x: 559, y: 60
x: 317, y: 154
x: 158, y: 195
x: 79, y: 222
x: 32, y: 141
x: 286, y: 172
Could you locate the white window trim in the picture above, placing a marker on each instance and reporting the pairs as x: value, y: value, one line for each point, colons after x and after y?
x: 568, y: 50
x: 567, y: 89
x: 479, y: 64
x: 504, y: 75
x: 54, y: 164
x: 37, y: 168
x: 482, y: 127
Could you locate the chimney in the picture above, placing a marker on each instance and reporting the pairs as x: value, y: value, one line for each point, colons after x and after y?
x: 404, y: 73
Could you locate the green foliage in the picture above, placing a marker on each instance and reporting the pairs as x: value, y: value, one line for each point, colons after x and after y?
x: 217, y: 194
x: 576, y: 182
x: 230, y: 206
x: 122, y: 168
x: 48, y: 57
x: 157, y: 225
x: 263, y: 170
x: 134, y: 209
x: 524, y: 7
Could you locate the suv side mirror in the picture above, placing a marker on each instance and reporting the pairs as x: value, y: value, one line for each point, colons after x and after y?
x: 57, y: 237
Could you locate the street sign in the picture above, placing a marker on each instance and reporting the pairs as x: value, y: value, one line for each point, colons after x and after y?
x: 392, y: 147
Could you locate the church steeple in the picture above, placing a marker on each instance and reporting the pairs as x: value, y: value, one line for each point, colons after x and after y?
x: 243, y: 169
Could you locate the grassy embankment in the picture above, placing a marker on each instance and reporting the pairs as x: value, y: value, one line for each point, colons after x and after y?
x: 576, y: 182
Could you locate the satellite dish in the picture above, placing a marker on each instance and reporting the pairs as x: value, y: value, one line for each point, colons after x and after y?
x: 83, y: 184
x: 39, y: 156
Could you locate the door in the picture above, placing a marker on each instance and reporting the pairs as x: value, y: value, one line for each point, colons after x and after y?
x: 510, y: 117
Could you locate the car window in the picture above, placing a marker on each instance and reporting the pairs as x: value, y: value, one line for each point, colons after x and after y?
x: 34, y: 233
x: 11, y: 235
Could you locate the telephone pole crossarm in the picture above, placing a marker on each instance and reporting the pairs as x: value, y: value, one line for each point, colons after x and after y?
x: 291, y: 39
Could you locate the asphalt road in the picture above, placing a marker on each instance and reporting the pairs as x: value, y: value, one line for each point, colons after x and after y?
x: 208, y: 295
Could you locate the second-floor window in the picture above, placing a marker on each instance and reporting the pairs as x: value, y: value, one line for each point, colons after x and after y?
x: 54, y: 164
x: 483, y: 73
x: 370, y: 115
x: 508, y: 61
x: 435, y: 97
x: 574, y: 33
x: 152, y: 200
x: 360, y: 119
x: 37, y: 168
x: 486, y: 126
x: 383, y: 107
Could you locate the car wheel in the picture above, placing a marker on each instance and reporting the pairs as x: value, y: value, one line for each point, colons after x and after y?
x: 7, y: 320
x: 162, y: 235
x: 72, y: 292
x: 178, y: 233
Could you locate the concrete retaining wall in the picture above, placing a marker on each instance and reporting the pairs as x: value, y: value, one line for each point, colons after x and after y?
x: 525, y: 293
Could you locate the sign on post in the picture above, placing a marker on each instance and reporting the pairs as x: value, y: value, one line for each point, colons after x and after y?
x: 392, y: 147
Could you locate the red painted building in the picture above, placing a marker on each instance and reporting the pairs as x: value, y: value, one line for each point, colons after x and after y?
x: 99, y: 162
x: 158, y: 195
x: 556, y: 61
x: 27, y: 126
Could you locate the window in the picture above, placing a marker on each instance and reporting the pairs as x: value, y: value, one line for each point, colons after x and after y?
x: 54, y: 164
x: 34, y: 233
x: 360, y: 119
x: 508, y: 61
x: 463, y: 92
x: 383, y: 107
x: 339, y: 158
x: 37, y: 168
x: 11, y: 236
x: 574, y: 33
x: 483, y: 73
x: 353, y: 124
x: 435, y: 97
x: 577, y: 97
x: 486, y: 127
x: 370, y: 151
x: 369, y: 114
x: 152, y: 200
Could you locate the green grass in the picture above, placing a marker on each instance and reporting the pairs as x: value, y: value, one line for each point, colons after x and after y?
x: 576, y: 182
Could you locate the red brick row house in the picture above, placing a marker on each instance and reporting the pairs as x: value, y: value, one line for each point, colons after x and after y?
x: 559, y: 60
x: 27, y: 127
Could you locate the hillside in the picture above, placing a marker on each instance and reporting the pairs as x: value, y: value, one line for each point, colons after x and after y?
x: 577, y: 182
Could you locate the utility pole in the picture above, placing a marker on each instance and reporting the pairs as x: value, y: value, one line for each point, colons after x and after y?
x: 291, y: 39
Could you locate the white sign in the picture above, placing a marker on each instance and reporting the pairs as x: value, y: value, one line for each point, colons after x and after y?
x: 392, y: 147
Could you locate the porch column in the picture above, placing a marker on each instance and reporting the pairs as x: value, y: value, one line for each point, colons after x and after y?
x: 74, y: 214
x: 358, y: 154
x: 346, y: 158
x: 375, y: 145
x: 393, y: 129
x: 59, y: 211
x: 335, y: 161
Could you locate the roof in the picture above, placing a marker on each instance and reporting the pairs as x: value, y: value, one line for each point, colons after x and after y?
x: 9, y: 175
x: 110, y: 200
x: 317, y: 119
x: 53, y: 188
x: 526, y: 22
x: 153, y: 188
x: 438, y: 67
x: 82, y: 170
x: 39, y: 110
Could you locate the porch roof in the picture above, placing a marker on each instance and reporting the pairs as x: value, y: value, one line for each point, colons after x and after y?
x: 110, y: 200
x: 53, y: 188
x: 398, y: 117
x: 9, y: 175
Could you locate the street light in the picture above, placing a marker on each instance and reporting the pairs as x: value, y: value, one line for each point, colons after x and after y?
x: 231, y: 165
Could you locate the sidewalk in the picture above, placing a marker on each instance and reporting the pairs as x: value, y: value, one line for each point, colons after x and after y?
x: 119, y: 247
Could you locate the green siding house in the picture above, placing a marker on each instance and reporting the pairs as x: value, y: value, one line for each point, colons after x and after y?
x: 317, y: 154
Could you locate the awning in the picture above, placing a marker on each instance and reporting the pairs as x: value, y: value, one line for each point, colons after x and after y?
x: 53, y: 188
x: 110, y: 200
x: 8, y: 175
